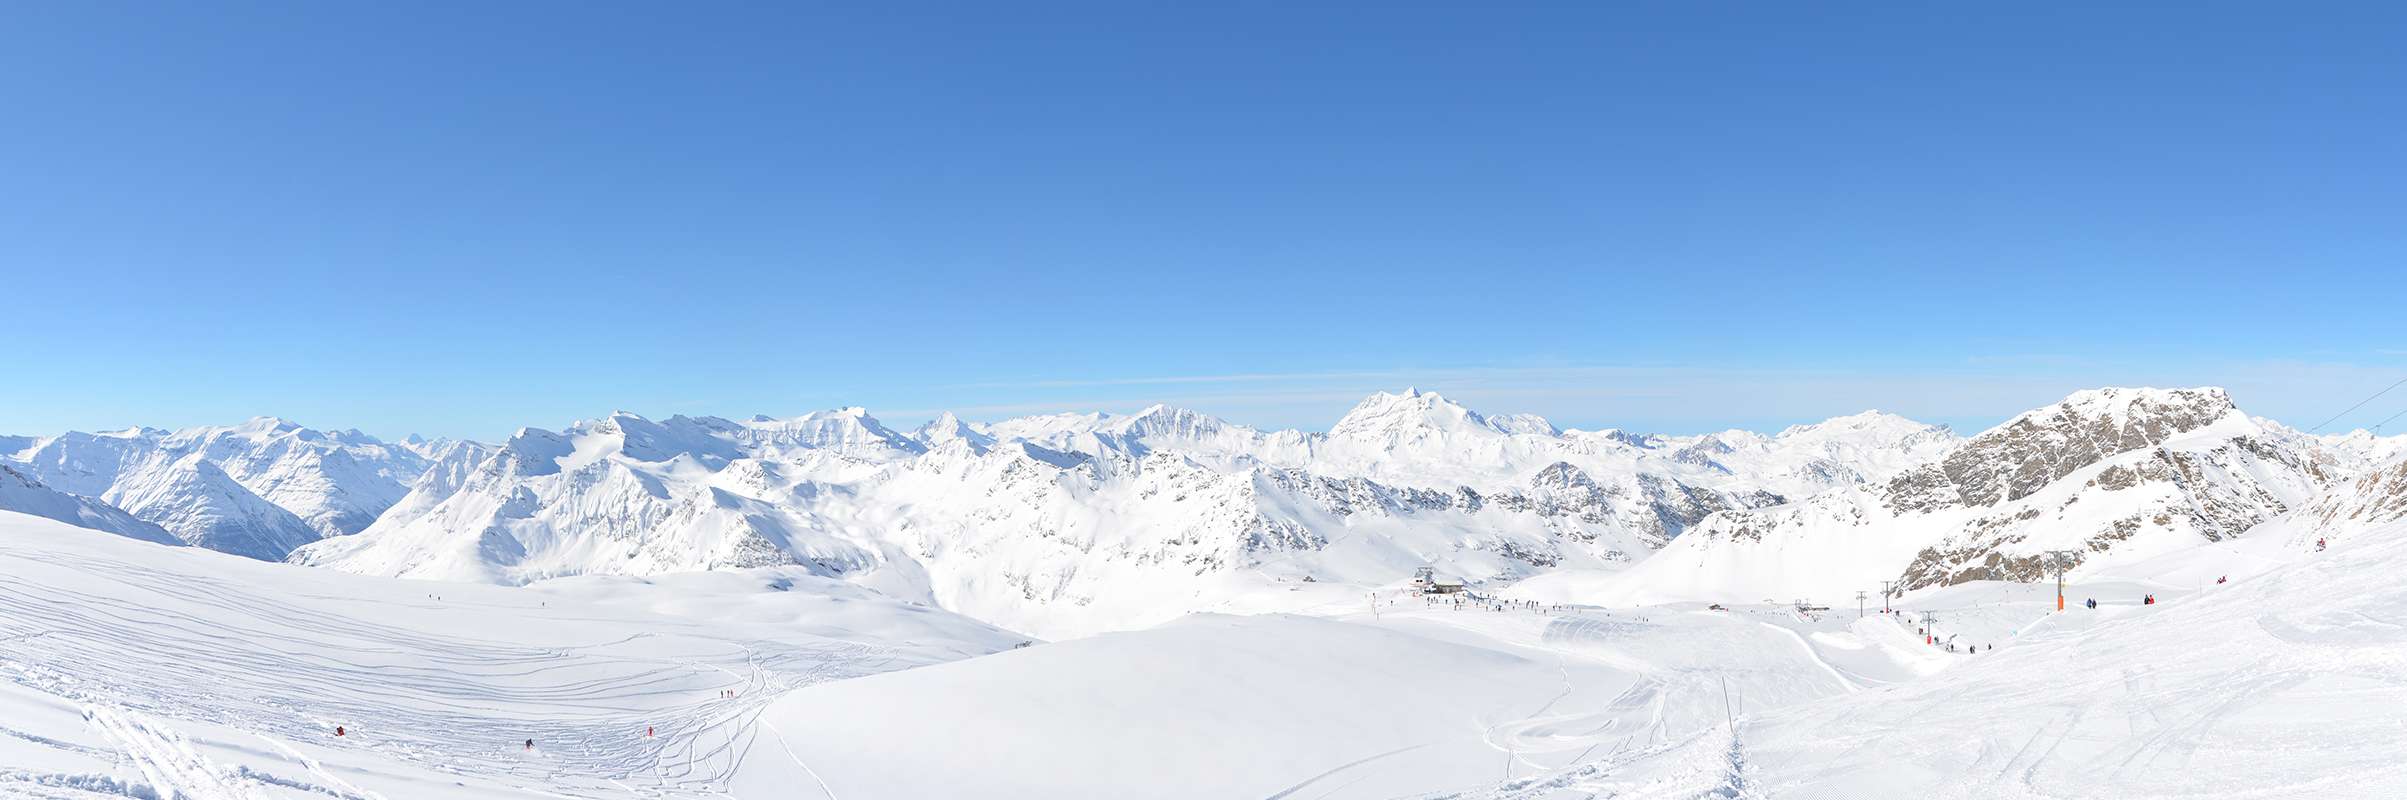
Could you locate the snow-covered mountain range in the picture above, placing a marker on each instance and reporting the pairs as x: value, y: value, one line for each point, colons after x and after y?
x: 1069, y: 523
x: 1072, y: 523
x: 258, y: 489
x: 2105, y: 476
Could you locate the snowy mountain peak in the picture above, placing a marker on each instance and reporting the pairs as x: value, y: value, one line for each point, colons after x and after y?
x: 642, y: 439
x: 2038, y: 446
x: 1389, y: 415
x: 947, y: 429
x: 1531, y: 424
x: 1168, y: 421
x: 534, y: 451
x: 136, y: 432
x: 265, y: 426
x: 1872, y: 422
x: 849, y: 430
x: 2155, y: 412
x: 1642, y: 441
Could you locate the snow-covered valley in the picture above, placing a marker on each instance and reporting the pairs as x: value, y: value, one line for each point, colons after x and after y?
x: 1165, y: 604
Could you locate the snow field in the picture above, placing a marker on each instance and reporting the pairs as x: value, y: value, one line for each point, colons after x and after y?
x: 2289, y: 682
x: 1345, y: 705
x: 203, y: 675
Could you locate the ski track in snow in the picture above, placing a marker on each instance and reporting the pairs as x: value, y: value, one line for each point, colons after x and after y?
x: 1816, y: 657
x: 782, y: 744
x: 165, y: 761
x: 454, y: 704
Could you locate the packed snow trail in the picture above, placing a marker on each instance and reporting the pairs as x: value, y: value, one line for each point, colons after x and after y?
x: 2286, y: 685
x: 149, y: 641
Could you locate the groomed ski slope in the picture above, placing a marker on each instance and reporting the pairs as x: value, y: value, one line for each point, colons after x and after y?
x: 2287, y: 682
x: 129, y: 669
x: 1338, y: 704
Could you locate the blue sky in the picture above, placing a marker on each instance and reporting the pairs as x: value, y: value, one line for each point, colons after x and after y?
x: 462, y: 218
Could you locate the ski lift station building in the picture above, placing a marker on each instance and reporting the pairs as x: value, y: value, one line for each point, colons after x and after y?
x: 1425, y: 581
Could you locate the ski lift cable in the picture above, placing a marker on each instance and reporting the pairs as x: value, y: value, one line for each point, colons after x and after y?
x: 2360, y: 404
x: 2387, y: 420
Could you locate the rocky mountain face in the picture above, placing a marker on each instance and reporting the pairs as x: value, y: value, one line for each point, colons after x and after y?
x: 2183, y: 463
x: 2106, y: 475
x: 1077, y: 522
x: 2374, y: 498
x: 258, y: 489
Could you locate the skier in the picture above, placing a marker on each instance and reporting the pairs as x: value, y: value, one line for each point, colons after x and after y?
x: 530, y: 744
x: 2092, y: 603
x: 2319, y: 543
x: 338, y: 730
x: 2219, y: 581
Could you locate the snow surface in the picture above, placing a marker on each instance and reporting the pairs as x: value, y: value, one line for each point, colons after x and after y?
x: 2291, y: 682
x: 128, y: 667
x: 1340, y: 704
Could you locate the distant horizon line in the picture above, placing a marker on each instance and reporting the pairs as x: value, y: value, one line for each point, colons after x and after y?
x: 1035, y: 410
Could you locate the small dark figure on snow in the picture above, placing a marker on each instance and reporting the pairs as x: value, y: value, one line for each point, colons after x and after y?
x: 530, y: 744
x: 2092, y: 602
x: 338, y: 730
